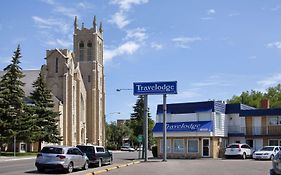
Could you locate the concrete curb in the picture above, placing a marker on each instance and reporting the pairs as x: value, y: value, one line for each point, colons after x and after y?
x: 112, y: 168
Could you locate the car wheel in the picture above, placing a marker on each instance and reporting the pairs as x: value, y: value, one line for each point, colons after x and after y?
x: 244, y: 156
x: 86, y: 165
x: 99, y: 163
x: 110, y: 161
x: 69, y: 168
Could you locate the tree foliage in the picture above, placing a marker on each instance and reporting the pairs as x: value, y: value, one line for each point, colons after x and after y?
x: 253, y: 98
x: 44, y: 119
x: 13, y: 119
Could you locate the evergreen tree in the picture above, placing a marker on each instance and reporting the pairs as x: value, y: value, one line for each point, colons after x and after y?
x: 45, y: 120
x: 137, y: 122
x: 13, y: 119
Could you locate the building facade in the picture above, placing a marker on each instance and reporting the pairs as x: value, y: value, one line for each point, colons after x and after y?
x: 204, y: 129
x: 76, y: 79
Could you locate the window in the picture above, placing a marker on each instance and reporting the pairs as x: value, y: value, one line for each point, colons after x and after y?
x: 99, y: 149
x: 273, y: 143
x: 52, y: 150
x: 89, y: 78
x: 178, y: 146
x: 168, y: 146
x: 89, y: 51
x: 192, y: 146
x: 274, y: 120
x: 57, y: 65
x: 81, y: 51
x: 23, y: 147
x: 218, y: 120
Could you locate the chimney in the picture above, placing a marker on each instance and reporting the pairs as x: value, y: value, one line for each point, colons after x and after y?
x: 265, y: 103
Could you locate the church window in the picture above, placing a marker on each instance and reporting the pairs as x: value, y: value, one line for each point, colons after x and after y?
x: 57, y: 65
x: 89, y: 78
x: 89, y: 51
x: 81, y: 51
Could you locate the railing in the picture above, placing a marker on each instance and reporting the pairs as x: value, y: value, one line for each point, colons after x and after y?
x: 266, y: 130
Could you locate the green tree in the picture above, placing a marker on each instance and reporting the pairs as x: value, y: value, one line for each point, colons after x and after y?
x: 137, y: 122
x: 13, y: 119
x: 274, y: 95
x: 251, y: 98
x: 44, y: 119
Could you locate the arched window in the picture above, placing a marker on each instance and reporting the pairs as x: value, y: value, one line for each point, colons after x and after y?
x: 90, y: 51
x: 81, y: 51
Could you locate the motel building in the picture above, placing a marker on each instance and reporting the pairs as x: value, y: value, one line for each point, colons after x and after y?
x: 204, y: 129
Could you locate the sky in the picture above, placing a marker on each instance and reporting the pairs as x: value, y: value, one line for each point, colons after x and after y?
x: 213, y: 49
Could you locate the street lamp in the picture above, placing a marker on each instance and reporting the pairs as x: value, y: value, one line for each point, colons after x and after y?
x: 118, y: 90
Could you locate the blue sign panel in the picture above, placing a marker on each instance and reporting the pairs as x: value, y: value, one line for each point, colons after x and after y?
x: 201, y: 126
x: 155, y: 88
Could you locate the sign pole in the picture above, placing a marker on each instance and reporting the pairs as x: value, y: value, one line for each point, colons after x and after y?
x: 164, y: 128
x: 146, y: 128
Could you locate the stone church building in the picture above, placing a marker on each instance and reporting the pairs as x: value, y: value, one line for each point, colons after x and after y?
x: 76, y: 79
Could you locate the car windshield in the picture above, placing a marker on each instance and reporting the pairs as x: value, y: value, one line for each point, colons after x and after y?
x: 267, y: 149
x: 233, y: 146
x: 86, y: 149
x: 52, y: 150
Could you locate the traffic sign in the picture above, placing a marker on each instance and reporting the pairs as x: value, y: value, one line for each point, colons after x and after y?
x: 140, y: 138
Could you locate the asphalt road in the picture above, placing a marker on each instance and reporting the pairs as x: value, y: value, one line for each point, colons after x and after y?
x: 197, y: 167
x: 26, y: 166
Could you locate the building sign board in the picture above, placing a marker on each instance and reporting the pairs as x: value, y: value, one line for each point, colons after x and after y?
x: 155, y: 88
x: 200, y: 126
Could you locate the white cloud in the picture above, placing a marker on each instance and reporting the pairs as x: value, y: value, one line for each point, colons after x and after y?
x: 184, y: 42
x: 51, y: 2
x: 126, y: 5
x: 59, y: 43
x: 67, y: 11
x: 275, y: 79
x: 276, y: 44
x: 138, y: 34
x: 234, y: 14
x: 156, y: 46
x: 53, y: 24
x: 211, y: 11
x: 120, y: 19
x: 127, y: 48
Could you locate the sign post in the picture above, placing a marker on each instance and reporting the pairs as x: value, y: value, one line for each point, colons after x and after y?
x: 155, y: 88
x: 140, y: 138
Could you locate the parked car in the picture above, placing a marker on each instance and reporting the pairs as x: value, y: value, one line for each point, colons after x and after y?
x: 127, y: 148
x: 276, y: 164
x: 238, y: 150
x: 97, y: 155
x: 61, y: 158
x: 267, y: 152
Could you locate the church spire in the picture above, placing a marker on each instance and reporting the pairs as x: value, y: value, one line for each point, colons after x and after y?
x: 101, y: 29
x: 95, y: 23
x: 75, y: 23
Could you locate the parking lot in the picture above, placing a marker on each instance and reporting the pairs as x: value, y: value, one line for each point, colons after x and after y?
x: 197, y: 167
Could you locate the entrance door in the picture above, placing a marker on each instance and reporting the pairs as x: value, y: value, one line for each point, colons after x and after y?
x: 205, y: 147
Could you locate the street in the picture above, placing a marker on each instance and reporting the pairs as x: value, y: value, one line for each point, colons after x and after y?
x: 26, y: 166
x: 197, y: 167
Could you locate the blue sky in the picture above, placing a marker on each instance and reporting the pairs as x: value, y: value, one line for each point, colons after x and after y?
x: 214, y: 49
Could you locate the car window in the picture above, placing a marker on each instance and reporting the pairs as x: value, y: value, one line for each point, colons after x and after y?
x: 244, y: 146
x: 52, y: 150
x: 267, y: 149
x: 100, y: 149
x: 86, y: 149
x: 70, y: 151
x: 233, y: 146
x: 77, y: 151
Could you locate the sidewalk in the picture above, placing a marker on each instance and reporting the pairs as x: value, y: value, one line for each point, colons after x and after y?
x: 11, y: 158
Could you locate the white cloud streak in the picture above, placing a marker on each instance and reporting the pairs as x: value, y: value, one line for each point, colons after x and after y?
x: 55, y: 24
x: 66, y: 11
x: 138, y: 34
x: 184, y: 42
x: 126, y: 5
x: 211, y: 11
x: 276, y: 44
x: 120, y: 19
x: 128, y: 48
x: 156, y: 46
x: 275, y: 79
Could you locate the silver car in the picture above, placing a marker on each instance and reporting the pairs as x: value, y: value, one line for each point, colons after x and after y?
x: 61, y: 158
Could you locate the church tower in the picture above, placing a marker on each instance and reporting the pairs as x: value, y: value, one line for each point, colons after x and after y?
x: 88, y: 51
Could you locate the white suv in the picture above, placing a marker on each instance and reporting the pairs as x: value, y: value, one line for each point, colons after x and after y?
x: 238, y: 150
